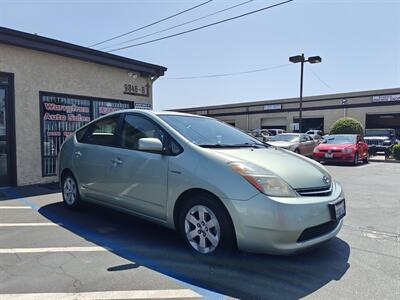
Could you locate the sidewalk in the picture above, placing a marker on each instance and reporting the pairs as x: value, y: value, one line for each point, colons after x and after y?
x: 381, y: 158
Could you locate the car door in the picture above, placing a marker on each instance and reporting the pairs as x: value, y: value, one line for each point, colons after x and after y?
x: 92, y: 158
x: 303, y: 146
x: 308, y: 145
x: 139, y: 179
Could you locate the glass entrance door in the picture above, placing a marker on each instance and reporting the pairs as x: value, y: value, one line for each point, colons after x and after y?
x: 4, y: 141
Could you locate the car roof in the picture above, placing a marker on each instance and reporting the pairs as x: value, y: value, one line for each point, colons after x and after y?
x: 154, y: 113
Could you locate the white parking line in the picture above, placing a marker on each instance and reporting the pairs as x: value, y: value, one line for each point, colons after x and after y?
x: 139, y: 294
x: 52, y: 249
x: 27, y: 224
x: 15, y: 207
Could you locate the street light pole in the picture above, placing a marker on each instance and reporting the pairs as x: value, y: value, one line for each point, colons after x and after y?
x: 301, y: 59
x: 301, y: 94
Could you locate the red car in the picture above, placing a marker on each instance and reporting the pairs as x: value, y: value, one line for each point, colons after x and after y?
x: 342, y: 148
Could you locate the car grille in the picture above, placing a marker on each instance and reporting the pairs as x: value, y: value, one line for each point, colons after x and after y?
x: 330, y: 150
x: 374, y: 142
x: 324, y: 191
x: 316, y: 231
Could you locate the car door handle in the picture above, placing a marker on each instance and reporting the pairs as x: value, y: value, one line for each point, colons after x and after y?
x: 78, y: 154
x: 117, y: 161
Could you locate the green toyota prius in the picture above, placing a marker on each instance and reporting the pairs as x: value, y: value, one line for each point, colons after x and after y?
x: 220, y: 188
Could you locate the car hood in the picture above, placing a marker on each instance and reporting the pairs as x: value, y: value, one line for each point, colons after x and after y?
x: 333, y: 146
x: 299, y: 172
x: 282, y: 144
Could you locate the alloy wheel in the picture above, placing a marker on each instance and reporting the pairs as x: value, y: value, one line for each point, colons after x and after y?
x: 202, y: 229
x: 70, y: 191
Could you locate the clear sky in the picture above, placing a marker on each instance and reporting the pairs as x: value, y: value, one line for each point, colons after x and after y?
x: 359, y: 42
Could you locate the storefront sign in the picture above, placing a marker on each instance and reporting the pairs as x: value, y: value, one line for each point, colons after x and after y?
x: 386, y: 98
x: 274, y: 106
x: 146, y: 106
x: 137, y: 90
x: 62, y: 115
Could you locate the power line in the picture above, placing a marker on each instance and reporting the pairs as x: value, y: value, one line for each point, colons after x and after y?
x: 202, y: 27
x: 321, y: 80
x: 151, y: 24
x: 228, y: 74
x: 179, y: 25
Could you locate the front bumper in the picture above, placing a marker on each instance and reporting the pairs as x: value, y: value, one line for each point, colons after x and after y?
x: 275, y: 225
x: 336, y: 156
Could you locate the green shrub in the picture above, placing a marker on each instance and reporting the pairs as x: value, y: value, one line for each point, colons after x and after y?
x: 396, y: 151
x: 347, y: 126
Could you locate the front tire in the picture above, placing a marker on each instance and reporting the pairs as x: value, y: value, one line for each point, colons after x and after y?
x: 366, y: 159
x: 206, y: 226
x: 355, y: 162
x: 70, y: 192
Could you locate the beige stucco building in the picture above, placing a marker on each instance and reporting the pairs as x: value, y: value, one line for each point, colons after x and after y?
x: 374, y: 109
x: 49, y: 88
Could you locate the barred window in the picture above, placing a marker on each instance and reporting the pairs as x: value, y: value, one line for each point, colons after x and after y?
x: 61, y: 115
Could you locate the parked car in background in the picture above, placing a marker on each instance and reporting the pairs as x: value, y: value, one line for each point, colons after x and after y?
x: 342, y: 148
x: 297, y: 142
x: 380, y: 140
x: 216, y: 185
x: 260, y: 134
x: 276, y: 131
x: 315, y: 132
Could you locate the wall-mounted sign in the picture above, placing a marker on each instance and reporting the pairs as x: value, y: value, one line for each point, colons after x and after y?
x: 137, y: 90
x: 274, y: 106
x: 61, y: 115
x: 146, y: 106
x: 386, y: 98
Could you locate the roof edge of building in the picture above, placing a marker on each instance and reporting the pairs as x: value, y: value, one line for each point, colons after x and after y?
x: 40, y: 43
x: 355, y: 94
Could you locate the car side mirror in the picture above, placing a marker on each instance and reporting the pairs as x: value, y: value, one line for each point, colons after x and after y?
x: 150, y: 144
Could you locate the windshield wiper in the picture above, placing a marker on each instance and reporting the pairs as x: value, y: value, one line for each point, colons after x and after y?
x: 244, y: 145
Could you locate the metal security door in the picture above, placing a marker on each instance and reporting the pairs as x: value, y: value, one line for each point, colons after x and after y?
x: 5, y: 176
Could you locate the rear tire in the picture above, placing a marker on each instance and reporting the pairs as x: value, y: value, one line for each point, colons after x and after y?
x: 70, y: 192
x: 206, y: 226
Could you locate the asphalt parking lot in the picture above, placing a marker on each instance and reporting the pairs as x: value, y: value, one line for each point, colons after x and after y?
x: 49, y: 252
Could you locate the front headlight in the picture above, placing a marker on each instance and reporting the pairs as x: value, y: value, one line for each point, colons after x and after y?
x: 316, y: 150
x: 264, y: 181
x: 347, y: 150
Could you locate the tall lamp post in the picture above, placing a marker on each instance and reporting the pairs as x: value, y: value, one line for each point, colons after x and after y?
x: 301, y: 59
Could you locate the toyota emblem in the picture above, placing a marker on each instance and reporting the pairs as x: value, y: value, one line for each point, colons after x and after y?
x: 325, y: 179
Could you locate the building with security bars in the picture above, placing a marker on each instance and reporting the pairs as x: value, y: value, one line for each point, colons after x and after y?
x: 48, y: 89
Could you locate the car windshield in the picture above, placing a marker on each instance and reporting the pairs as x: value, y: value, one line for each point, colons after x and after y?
x: 377, y: 132
x: 340, y: 139
x: 285, y: 138
x: 208, y: 132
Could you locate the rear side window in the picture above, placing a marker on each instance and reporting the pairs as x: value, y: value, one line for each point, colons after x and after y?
x: 102, y: 132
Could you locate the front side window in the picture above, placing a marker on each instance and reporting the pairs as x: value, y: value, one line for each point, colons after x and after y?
x: 136, y: 127
x: 102, y: 132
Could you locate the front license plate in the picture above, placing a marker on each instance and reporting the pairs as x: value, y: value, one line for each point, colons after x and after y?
x: 328, y: 155
x: 338, y: 210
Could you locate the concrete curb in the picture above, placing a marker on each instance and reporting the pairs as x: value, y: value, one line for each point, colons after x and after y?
x: 385, y: 161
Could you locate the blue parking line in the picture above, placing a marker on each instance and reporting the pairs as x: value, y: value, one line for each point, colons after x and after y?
x: 119, y: 249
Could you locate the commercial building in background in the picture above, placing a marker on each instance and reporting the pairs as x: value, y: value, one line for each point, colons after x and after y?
x: 374, y: 109
x: 48, y: 89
